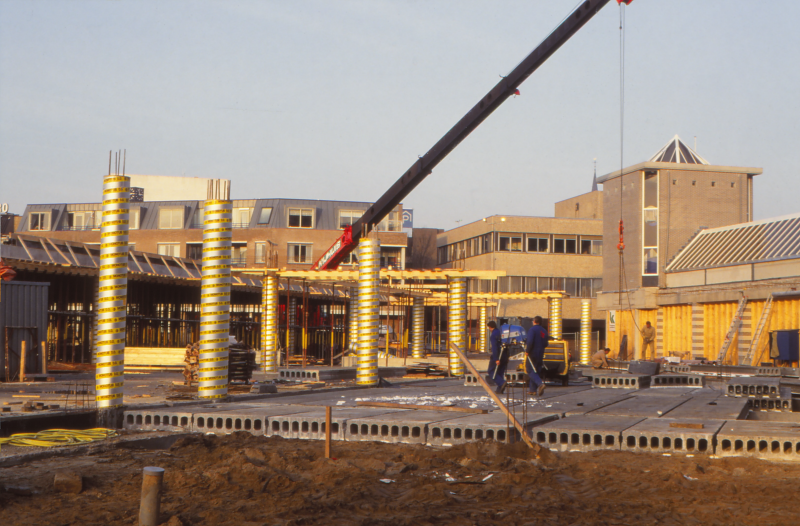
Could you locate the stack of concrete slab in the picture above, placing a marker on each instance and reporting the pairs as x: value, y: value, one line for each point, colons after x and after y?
x: 511, y: 376
x: 764, y: 394
x: 678, y: 380
x: 620, y: 381
x: 332, y: 374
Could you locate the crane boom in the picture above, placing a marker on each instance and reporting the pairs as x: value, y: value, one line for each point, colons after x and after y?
x: 474, y: 117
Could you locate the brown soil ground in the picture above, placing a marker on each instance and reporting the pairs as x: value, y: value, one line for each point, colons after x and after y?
x: 247, y: 480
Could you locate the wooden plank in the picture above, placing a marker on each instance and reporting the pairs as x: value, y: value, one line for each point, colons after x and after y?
x: 496, y: 399
x: 686, y: 425
x: 423, y: 407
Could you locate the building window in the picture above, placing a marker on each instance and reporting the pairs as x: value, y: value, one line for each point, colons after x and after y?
x: 261, y: 253
x: 565, y: 246
x: 507, y: 243
x: 241, y: 218
x: 170, y: 218
x: 537, y: 244
x: 391, y: 223
x: 170, y: 249
x: 592, y: 247
x: 300, y: 253
x: 348, y: 217
x: 39, y: 221
x: 350, y: 259
x: 650, y: 263
x: 133, y: 218
x: 391, y: 257
x: 194, y: 251
x: 650, y: 223
x: 571, y: 286
x: 238, y: 254
x: 265, y: 215
x: 198, y: 218
x: 301, y: 218
x: 82, y: 220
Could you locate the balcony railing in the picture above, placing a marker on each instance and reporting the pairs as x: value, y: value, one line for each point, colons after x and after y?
x: 233, y: 225
x: 239, y: 261
x: 83, y: 227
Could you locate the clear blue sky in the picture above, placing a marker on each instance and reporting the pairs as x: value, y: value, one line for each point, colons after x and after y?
x: 336, y: 99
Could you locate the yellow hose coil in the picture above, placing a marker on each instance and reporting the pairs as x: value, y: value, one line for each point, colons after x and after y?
x: 59, y: 437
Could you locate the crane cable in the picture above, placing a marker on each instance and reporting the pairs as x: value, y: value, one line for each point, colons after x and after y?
x: 59, y: 437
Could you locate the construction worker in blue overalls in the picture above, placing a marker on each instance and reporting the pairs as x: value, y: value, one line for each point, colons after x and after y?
x: 534, y: 350
x: 498, y: 361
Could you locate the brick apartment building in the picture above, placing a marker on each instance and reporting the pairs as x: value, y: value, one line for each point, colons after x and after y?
x: 290, y: 233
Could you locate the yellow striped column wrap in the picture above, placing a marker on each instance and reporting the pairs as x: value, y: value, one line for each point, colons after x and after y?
x: 94, y: 325
x: 482, y: 327
x: 270, y: 328
x: 418, y: 328
x: 354, y: 319
x: 368, y: 311
x: 457, y: 321
x: 554, y: 318
x: 215, y: 300
x: 291, y: 324
x: 586, y: 332
x: 112, y: 292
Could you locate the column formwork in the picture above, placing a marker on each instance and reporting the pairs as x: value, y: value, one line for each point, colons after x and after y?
x: 215, y: 300
x: 457, y: 319
x: 554, y: 318
x: 112, y: 292
x: 483, y: 330
x: 418, y: 328
x: 269, y: 329
x: 368, y: 311
x: 586, y: 332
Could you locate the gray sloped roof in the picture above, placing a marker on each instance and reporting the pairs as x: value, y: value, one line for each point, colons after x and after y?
x: 767, y: 240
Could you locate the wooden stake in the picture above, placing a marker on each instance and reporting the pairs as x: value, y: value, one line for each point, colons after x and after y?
x: 328, y: 431
x: 495, y: 398
x: 22, y: 354
x: 44, y: 357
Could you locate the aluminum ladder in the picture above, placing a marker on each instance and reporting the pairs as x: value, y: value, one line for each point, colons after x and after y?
x: 736, y: 322
x: 762, y: 323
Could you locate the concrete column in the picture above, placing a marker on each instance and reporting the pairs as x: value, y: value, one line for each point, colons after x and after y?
x: 290, y: 325
x: 369, y: 254
x: 483, y: 330
x: 554, y: 317
x: 215, y: 296
x: 586, y: 332
x: 112, y: 292
x: 457, y: 322
x: 269, y: 327
x: 418, y: 328
x: 353, y: 314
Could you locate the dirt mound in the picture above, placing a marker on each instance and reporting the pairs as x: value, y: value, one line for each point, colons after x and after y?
x: 245, y: 480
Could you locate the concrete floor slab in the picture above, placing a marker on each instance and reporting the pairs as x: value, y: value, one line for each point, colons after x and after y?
x: 709, y: 407
x: 620, y: 381
x: 584, y: 433
x: 163, y: 418
x: 666, y: 435
x: 492, y: 426
x: 767, y: 440
x: 408, y: 427
x: 258, y: 420
x: 642, y: 406
x: 579, y: 402
x: 311, y: 425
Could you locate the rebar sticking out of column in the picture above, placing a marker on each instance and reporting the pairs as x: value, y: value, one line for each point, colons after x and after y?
x: 368, y: 311
x: 554, y: 317
x: 586, y: 332
x: 457, y: 321
x: 270, y: 326
x: 482, y: 328
x: 112, y: 292
x: 353, y: 319
x: 215, y: 297
x: 418, y: 328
